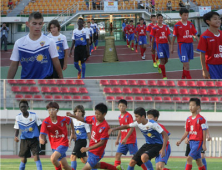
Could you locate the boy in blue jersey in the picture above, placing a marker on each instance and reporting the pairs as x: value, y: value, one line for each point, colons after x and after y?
x: 29, y: 124
x: 152, y: 132
x: 80, y: 39
x: 36, y: 53
x: 61, y: 44
x: 96, y: 31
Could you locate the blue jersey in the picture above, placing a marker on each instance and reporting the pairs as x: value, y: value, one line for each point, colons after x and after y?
x: 80, y: 36
x: 28, y: 126
x: 90, y: 30
x: 123, y: 25
x: 81, y: 129
x: 94, y: 27
x: 151, y: 131
x: 35, y: 56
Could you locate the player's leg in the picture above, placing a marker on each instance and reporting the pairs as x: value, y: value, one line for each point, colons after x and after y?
x: 34, y: 146
x: 136, y: 43
x: 144, y: 46
x: 76, y: 60
x: 162, y: 161
x: 122, y: 149
x: 73, y: 160
x: 58, y: 154
x: 65, y: 165
x: 204, y: 159
x: 200, y: 164
x: 132, y: 42
x: 215, y: 71
x: 22, y: 163
x: 129, y: 40
x: 153, y: 55
x: 187, y: 152
x: 24, y: 153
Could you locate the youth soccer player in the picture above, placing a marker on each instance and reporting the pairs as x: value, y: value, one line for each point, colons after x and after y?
x: 55, y: 127
x: 29, y: 124
x: 141, y: 35
x: 80, y: 39
x: 136, y: 40
x: 91, y: 37
x: 61, y: 44
x: 152, y: 132
x: 161, y: 33
x: 126, y: 34
x: 184, y: 31
x: 148, y: 30
x: 96, y: 31
x: 196, y: 128
x: 153, y: 114
x: 210, y: 47
x: 99, y: 138
x: 131, y: 30
x: 36, y: 53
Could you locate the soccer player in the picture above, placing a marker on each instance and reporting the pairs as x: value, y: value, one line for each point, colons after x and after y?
x: 196, y: 128
x: 36, y: 53
x: 61, y: 44
x: 96, y: 31
x: 141, y: 35
x: 154, y: 114
x: 184, y: 31
x: 126, y: 34
x: 99, y: 138
x: 29, y: 124
x: 80, y: 39
x: 152, y: 132
x: 135, y: 39
x: 161, y: 33
x: 91, y: 37
x: 131, y: 30
x: 210, y: 47
x: 148, y: 30
x: 55, y: 127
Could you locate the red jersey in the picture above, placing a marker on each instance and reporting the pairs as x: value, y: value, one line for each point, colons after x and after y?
x: 130, y: 29
x: 125, y: 30
x: 211, y: 45
x: 141, y: 30
x: 168, y: 133
x: 125, y: 120
x: 184, y: 33
x: 160, y: 34
x: 99, y: 132
x: 57, y: 132
x: 150, y: 27
x: 195, y: 127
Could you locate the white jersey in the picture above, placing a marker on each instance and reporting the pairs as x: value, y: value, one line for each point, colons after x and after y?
x: 80, y: 36
x: 94, y: 27
x: 90, y: 30
x: 81, y: 129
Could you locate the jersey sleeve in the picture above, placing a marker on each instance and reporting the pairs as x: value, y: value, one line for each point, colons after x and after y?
x: 168, y: 31
x: 137, y: 29
x: 104, y: 134
x: 130, y: 119
x: 134, y: 124
x: 187, y: 126
x: 87, y: 34
x: 92, y: 30
x: 163, y: 127
x: 203, y: 124
x: 202, y: 45
x: 16, y: 126
x: 73, y: 37
x: 194, y: 31
x: 157, y: 127
x: 68, y: 120
x: 37, y: 120
x: 44, y: 130
x: 65, y: 44
x: 175, y: 32
x: 15, y: 53
x: 87, y: 128
x: 52, y: 49
x: 153, y: 32
x: 88, y: 119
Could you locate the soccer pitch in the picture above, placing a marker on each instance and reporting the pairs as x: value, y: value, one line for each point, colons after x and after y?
x: 173, y: 164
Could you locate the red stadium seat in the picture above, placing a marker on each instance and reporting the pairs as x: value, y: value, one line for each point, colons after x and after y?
x: 113, y: 82
x: 161, y: 83
x: 123, y: 83
x: 15, y: 89
x: 30, y: 82
x: 221, y: 99
x: 211, y: 92
x: 202, y: 92
x: 48, y: 97
x: 83, y: 90
x: 148, y: 98
x: 28, y: 96
x: 58, y: 97
x: 209, y: 84
x: 136, y: 91
x: 141, y: 83
x: 185, y: 99
x: 80, y: 82
x: 145, y: 91
x: 183, y: 91
x: 218, y: 83
x: 37, y: 97
x: 170, y: 83
x: 107, y: 90
x: 167, y: 99
x: 18, y: 96
x: 73, y: 90
x: 61, y: 82
x: 139, y: 98
x: 204, y: 99
x: 154, y: 91
x: 67, y: 98
x: 119, y: 98
x: 132, y: 83
x: 176, y: 99
x: 70, y: 82
x: 181, y: 83
x: 214, y: 99
x: 21, y: 82
x: 219, y: 92
x: 193, y: 92
x: 42, y: 82
x: 117, y: 90
x: 157, y: 99
x: 55, y: 90
x: 34, y: 89
x: 45, y: 90
x: 151, y: 83
x: 126, y: 90
x: 191, y: 84
x: 12, y: 82
x: 200, y: 84
x: 77, y: 98
x: 25, y: 89
x: 173, y: 91
x: 104, y: 83
x: 86, y: 98
x: 51, y: 82
x: 110, y: 98
x: 163, y: 91
x: 129, y: 98
x: 64, y: 90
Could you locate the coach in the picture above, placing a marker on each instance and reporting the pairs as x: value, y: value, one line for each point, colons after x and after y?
x: 4, y: 35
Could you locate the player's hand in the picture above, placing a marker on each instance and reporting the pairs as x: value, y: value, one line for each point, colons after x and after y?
x: 83, y: 149
x: 69, y: 114
x: 204, y: 147
x: 16, y: 139
x: 41, y: 141
x: 171, y: 50
x: 110, y: 131
x: 206, y: 74
x: 162, y: 153
x: 70, y: 55
x: 208, y: 138
x: 187, y: 141
x: 64, y: 67
x: 117, y: 142
x: 124, y: 141
x: 178, y: 143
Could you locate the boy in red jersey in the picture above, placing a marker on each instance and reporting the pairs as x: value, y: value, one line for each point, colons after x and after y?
x: 148, y: 30
x: 131, y: 30
x: 126, y: 34
x: 196, y: 128
x: 141, y: 36
x: 184, y: 30
x: 210, y: 47
x: 161, y: 33
x: 135, y: 38
x: 99, y: 138
x: 55, y: 127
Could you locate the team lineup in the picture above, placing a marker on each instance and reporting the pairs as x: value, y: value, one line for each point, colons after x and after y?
x: 156, y: 145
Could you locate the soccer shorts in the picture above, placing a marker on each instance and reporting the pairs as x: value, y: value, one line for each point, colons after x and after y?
x: 195, y: 149
x: 142, y: 40
x: 130, y: 37
x: 185, y: 52
x: 132, y: 148
x: 28, y: 145
x: 78, y: 145
x: 150, y: 149
x: 188, y: 150
x: 80, y: 53
x: 166, y: 157
x: 55, y: 74
x: 215, y: 71
x: 62, y: 150
x: 93, y: 159
x: 163, y: 50
x: 136, y: 40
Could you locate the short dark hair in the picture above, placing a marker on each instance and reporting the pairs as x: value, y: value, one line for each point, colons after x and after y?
x: 196, y: 100
x: 4, y: 23
x: 88, y: 22
x: 102, y: 108
x: 123, y: 101
x: 209, y: 15
x: 80, y: 107
x: 159, y: 15
x: 183, y: 10
x: 140, y: 111
x: 153, y: 112
x: 152, y: 16
x: 54, y: 22
x: 35, y: 15
x: 23, y: 101
x: 141, y: 19
x: 131, y: 20
x: 93, y: 19
x: 52, y: 105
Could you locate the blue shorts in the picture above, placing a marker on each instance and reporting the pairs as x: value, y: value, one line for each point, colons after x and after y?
x: 132, y: 148
x: 215, y: 71
x: 185, y: 52
x: 93, y: 159
x: 142, y: 40
x: 154, y: 45
x: 166, y: 157
x: 163, y: 50
x: 195, y: 149
x: 127, y: 36
x: 135, y: 39
x: 62, y: 150
x: 130, y: 37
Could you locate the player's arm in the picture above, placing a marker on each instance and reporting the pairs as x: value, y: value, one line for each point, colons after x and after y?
x: 172, y: 43
x: 12, y: 69
x: 205, y: 73
x: 80, y: 118
x: 87, y: 128
x: 118, y: 137
x: 16, y: 135
x: 73, y: 135
x: 65, y: 59
x: 196, y: 37
x: 183, y: 137
x: 165, y: 139
x: 57, y: 66
x: 73, y: 44
x: 85, y: 149
x: 204, y: 140
x: 152, y: 44
x: 87, y: 47
x: 42, y: 139
x: 169, y: 39
x: 118, y: 128
x: 128, y: 135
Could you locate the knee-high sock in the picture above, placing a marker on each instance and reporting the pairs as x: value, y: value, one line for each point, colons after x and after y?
x: 143, y: 166
x: 91, y: 47
x: 153, y: 57
x: 188, y: 167
x: 157, y: 57
x: 22, y: 166
x: 127, y: 42
x: 187, y: 74
x: 148, y: 165
x: 162, y: 67
x: 77, y: 66
x: 136, y: 46
x: 144, y: 49
x: 141, y: 51
x: 74, y: 165
x: 96, y: 44
x: 38, y: 165
x: 116, y: 163
x: 185, y: 165
x: 83, y: 70
x: 130, y: 167
x: 183, y: 74
x: 202, y: 168
x: 104, y: 165
x: 205, y: 163
x: 132, y: 45
x: 58, y: 168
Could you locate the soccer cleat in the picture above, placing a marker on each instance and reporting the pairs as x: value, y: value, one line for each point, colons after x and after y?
x: 165, y: 78
x: 119, y: 167
x: 155, y: 65
x: 143, y: 57
x: 159, y: 70
x: 91, y: 50
x: 79, y: 75
x: 132, y: 49
x: 128, y: 46
x: 136, y: 51
x: 94, y: 48
x: 158, y: 62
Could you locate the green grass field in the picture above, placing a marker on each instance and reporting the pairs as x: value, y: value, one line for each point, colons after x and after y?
x: 173, y: 164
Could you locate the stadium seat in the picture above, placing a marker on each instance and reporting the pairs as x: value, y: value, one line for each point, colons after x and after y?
x: 181, y: 83
x: 28, y: 96
x: 214, y: 99
x: 116, y: 90
x: 15, y: 89
x: 132, y: 83
x: 193, y: 92
x: 167, y: 99
x: 126, y: 90
x: 183, y: 91
x: 64, y: 90
x: 76, y: 98
x: 191, y: 84
x: 107, y: 90
x: 136, y: 91
x: 185, y: 99
x: 209, y: 84
x: 34, y: 89
x: 148, y: 98
x: 83, y: 90
x: 176, y: 99
x: 25, y: 89
x: 157, y: 99
x: 70, y: 82
x: 80, y: 82
x: 163, y: 91
x: 104, y: 82
x: 42, y: 82
x: 18, y: 96
x: 129, y: 98
x: 67, y: 98
x: 113, y: 82
x: 161, y: 83
x: 219, y: 91
x: 51, y: 82
x: 145, y: 91
x: 58, y: 97
x: 200, y: 84
x: 61, y: 82
x: 86, y: 98
x: 30, y: 82
x: 55, y: 90
x: 12, y: 82
x: 151, y: 83
x: 204, y: 99
x: 154, y: 91
x: 37, y: 97
x: 141, y: 83
x: 218, y: 83
x: 45, y: 90
x: 138, y: 98
x: 173, y: 91
x: 211, y: 92
x: 202, y: 92
x: 170, y: 83
x: 21, y: 82
x: 123, y: 83
x: 110, y: 98
x: 119, y: 98
x: 221, y: 99
x: 48, y: 97
x: 73, y: 90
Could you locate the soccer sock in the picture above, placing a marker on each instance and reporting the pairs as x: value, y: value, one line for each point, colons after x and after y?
x: 149, y: 165
x: 143, y: 167
x: 205, y: 163
x: 116, y: 163
x: 96, y: 44
x: 162, y: 67
x: 144, y: 49
x: 185, y: 165
x: 202, y: 168
x: 132, y: 45
x: 38, y: 165
x: 130, y: 167
x: 153, y: 57
x: 76, y: 64
x: 136, y: 46
x: 141, y: 51
x: 187, y: 74
x: 188, y: 167
x: 157, y: 57
x: 83, y: 70
x: 22, y: 166
x: 58, y: 168
x: 74, y: 164
x: 165, y: 169
x: 104, y: 165
x: 183, y: 74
